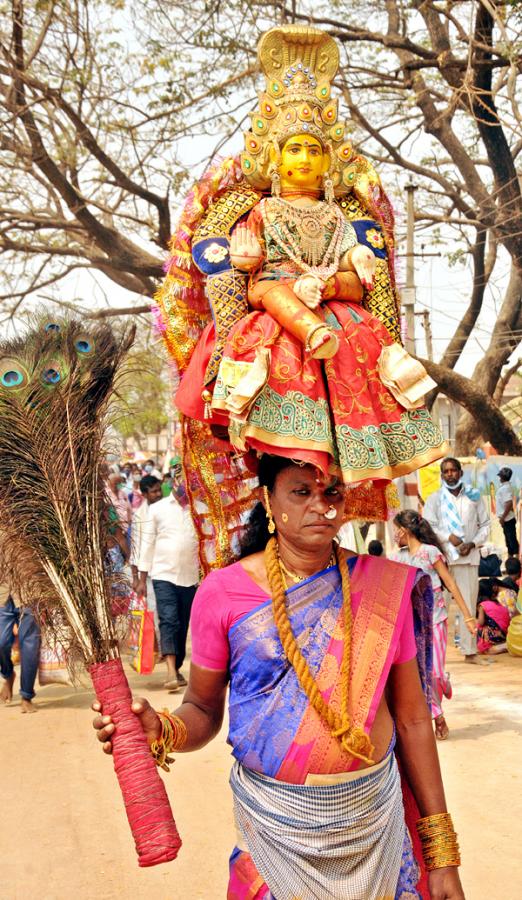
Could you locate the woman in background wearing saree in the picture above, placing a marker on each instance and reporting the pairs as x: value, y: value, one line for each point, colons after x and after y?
x: 318, y: 648
x: 419, y: 546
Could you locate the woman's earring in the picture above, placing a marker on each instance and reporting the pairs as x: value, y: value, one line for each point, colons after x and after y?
x: 276, y: 183
x: 268, y: 510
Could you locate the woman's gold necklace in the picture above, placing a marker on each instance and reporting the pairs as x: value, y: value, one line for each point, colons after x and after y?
x: 299, y: 578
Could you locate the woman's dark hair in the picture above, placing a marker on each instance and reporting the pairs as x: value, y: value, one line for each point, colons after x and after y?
x: 255, y: 536
x: 419, y: 528
x: 486, y: 589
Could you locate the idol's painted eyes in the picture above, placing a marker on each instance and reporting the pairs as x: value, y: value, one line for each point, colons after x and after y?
x: 295, y: 149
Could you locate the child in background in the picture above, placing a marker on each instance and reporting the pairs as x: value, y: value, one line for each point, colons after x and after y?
x: 375, y: 548
x: 419, y: 546
x: 494, y: 613
x: 512, y: 569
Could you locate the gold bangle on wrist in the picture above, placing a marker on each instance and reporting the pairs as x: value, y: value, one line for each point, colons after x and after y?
x: 173, y: 737
x: 439, y: 841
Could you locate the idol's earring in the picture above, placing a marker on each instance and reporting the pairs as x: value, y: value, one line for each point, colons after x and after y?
x: 268, y: 510
x: 329, y: 195
x: 276, y: 182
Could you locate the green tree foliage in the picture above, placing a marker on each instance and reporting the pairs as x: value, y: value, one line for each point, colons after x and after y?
x: 144, y: 395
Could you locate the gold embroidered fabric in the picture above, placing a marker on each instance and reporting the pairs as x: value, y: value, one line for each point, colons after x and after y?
x: 224, y: 212
x: 226, y: 294
x: 383, y: 300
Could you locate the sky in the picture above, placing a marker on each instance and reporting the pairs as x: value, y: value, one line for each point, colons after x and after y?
x: 441, y: 289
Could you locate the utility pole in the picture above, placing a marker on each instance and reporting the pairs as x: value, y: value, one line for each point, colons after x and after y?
x: 408, y: 294
x: 410, y: 483
x: 427, y: 333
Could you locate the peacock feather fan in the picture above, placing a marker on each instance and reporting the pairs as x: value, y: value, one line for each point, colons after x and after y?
x: 56, y: 384
x: 55, y: 389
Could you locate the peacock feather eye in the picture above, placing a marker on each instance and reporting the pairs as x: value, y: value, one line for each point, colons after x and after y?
x: 53, y: 372
x: 12, y: 378
x: 52, y: 326
x: 84, y: 345
x: 50, y: 375
x: 13, y: 375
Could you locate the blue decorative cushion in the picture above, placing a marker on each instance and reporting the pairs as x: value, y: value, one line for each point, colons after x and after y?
x: 370, y: 234
x: 211, y: 255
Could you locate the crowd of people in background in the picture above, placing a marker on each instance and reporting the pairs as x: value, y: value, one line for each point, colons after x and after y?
x: 450, y: 542
x: 160, y: 550
x: 152, y: 555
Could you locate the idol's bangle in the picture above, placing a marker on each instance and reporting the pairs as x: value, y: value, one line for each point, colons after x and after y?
x: 173, y: 737
x: 311, y: 333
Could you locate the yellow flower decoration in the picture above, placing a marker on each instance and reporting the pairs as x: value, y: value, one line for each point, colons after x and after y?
x: 375, y: 238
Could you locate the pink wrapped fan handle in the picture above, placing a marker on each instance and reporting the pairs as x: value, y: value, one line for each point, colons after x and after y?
x: 146, y: 802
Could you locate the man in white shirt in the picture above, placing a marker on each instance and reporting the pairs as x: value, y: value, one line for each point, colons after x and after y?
x: 169, y: 554
x: 150, y: 489
x: 459, y: 518
x: 506, y: 511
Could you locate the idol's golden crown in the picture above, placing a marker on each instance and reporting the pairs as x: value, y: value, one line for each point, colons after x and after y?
x: 299, y: 63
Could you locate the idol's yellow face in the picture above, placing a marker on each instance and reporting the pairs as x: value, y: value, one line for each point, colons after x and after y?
x: 303, y: 163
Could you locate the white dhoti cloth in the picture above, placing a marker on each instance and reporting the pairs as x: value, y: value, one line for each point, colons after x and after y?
x: 467, y: 579
x: 323, y: 842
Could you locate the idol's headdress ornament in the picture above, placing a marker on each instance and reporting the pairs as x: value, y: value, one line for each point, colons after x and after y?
x: 299, y: 63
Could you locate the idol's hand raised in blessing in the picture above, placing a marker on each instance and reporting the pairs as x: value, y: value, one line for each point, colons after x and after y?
x: 245, y: 250
x: 105, y: 727
x: 445, y: 884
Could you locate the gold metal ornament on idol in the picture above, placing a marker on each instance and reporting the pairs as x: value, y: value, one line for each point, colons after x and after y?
x: 291, y: 229
x: 299, y: 63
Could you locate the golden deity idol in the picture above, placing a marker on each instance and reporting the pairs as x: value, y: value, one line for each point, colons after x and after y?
x: 279, y: 308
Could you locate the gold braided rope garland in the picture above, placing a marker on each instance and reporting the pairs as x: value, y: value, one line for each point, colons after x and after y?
x: 353, y: 740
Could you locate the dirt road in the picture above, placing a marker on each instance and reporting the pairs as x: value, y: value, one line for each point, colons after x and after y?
x: 65, y: 836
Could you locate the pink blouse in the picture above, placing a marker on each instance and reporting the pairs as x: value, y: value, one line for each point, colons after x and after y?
x: 225, y: 596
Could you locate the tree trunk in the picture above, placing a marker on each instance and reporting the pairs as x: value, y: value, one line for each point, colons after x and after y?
x: 505, y: 339
x: 494, y: 425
